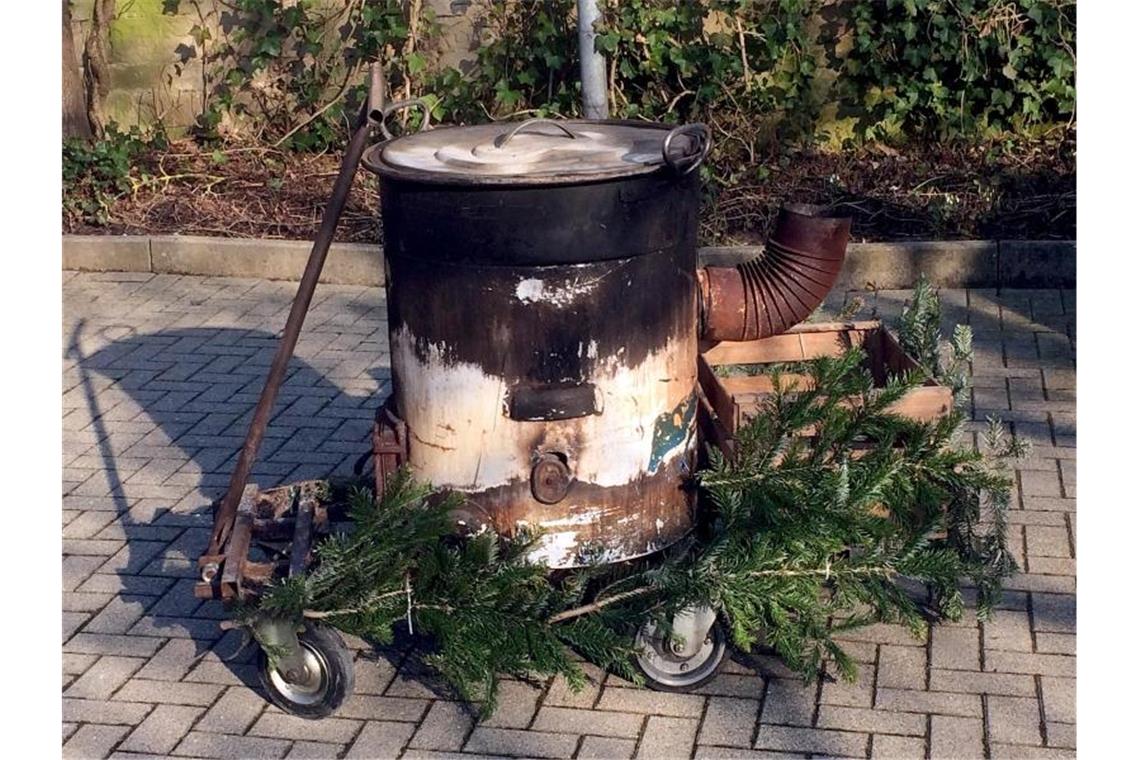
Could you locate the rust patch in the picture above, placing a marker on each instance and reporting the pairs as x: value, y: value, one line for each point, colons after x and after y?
x: 592, y: 523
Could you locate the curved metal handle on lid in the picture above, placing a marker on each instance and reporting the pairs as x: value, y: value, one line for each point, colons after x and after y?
x: 699, y: 138
x: 504, y: 139
x: 380, y: 117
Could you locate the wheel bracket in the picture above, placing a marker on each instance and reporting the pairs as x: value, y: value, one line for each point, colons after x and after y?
x: 278, y: 637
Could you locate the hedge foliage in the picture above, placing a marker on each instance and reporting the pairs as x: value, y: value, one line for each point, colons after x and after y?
x: 837, y: 70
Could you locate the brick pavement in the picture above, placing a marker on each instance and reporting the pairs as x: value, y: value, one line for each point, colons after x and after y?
x: 160, y: 378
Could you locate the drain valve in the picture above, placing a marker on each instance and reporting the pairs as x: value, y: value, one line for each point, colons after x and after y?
x: 550, y: 478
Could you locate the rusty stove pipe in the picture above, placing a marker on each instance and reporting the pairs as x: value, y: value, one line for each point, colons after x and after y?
x: 771, y: 293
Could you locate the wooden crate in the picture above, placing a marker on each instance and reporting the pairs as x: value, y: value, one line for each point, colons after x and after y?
x: 727, y: 402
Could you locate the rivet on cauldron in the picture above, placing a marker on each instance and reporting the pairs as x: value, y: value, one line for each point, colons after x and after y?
x: 550, y: 478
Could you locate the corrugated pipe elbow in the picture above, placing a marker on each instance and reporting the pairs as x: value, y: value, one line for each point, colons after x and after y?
x: 778, y: 289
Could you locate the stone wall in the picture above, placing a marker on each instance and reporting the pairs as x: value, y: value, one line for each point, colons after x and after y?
x: 157, y: 75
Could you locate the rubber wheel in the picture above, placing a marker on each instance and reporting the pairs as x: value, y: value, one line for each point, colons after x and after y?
x: 327, y: 682
x: 665, y: 671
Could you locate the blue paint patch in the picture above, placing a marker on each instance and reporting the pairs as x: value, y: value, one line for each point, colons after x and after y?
x: 671, y: 429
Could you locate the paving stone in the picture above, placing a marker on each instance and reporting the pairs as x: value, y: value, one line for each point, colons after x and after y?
x: 729, y: 722
x: 101, y: 711
x: 1047, y: 541
x: 733, y: 685
x: 380, y: 740
x: 816, y: 741
x: 788, y: 703
x: 517, y: 703
x: 575, y: 721
x: 172, y: 662
x: 1008, y: 630
x: 887, y: 747
x: 667, y: 737
x: 874, y: 721
x: 1061, y: 735
x: 119, y: 615
x: 372, y: 707
x: 233, y: 713
x: 954, y: 737
x: 1054, y: 613
x: 651, y: 702
x: 514, y: 743
x: 278, y: 725
x: 76, y: 664
x: 902, y: 667
x: 72, y: 622
x: 1044, y: 664
x: 1014, y: 720
x: 444, y: 728
x: 76, y: 569
x: 1051, y: 566
x: 955, y: 648
x: 606, y: 748
x: 373, y: 674
x: 103, y: 678
x: 1057, y: 643
x: 199, y: 744
x: 1007, y: 684
x: 734, y: 753
x: 314, y: 751
x: 162, y: 730
x: 859, y: 693
x: 1059, y: 697
x: 1050, y: 584
x: 1038, y: 483
x: 93, y: 740
x: 560, y: 694
x: 139, y: 690
x: 946, y: 703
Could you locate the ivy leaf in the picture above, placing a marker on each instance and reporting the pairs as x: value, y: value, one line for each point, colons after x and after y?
x: 416, y: 63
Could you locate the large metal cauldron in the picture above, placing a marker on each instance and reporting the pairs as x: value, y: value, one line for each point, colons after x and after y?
x: 542, y: 302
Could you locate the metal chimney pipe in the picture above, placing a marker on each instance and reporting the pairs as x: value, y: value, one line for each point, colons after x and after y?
x: 594, y: 96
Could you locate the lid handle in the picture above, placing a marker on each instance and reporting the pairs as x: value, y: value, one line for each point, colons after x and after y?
x: 379, y: 116
x: 502, y: 140
x: 696, y: 146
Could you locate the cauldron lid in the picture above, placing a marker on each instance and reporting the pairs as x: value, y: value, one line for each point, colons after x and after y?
x: 536, y: 151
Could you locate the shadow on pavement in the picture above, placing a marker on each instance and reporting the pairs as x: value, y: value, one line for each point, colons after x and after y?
x: 197, y: 387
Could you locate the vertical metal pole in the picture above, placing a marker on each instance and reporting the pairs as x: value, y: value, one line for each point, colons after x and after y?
x: 594, y: 93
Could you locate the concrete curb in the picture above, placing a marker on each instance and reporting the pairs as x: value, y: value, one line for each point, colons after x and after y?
x: 887, y: 266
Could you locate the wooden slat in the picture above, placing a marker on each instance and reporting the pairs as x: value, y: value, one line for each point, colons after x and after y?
x: 745, y: 386
x: 826, y: 327
x: 926, y: 403
x: 237, y: 548
x: 781, y: 348
x: 302, y: 535
x: 711, y: 428
x: 720, y: 401
x: 894, y: 358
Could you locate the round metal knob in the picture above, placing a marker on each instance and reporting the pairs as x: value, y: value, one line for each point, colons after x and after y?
x: 550, y: 479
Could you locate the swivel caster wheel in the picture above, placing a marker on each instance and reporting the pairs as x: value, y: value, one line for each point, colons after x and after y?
x: 317, y: 682
x: 668, y: 665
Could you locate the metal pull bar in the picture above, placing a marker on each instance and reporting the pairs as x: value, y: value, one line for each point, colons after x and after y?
x: 504, y: 139
x: 697, y: 135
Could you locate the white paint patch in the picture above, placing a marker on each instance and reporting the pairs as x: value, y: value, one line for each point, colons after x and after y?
x: 533, y: 290
x: 463, y: 439
x: 529, y: 290
x: 452, y: 410
x: 556, y: 549
x: 586, y: 518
